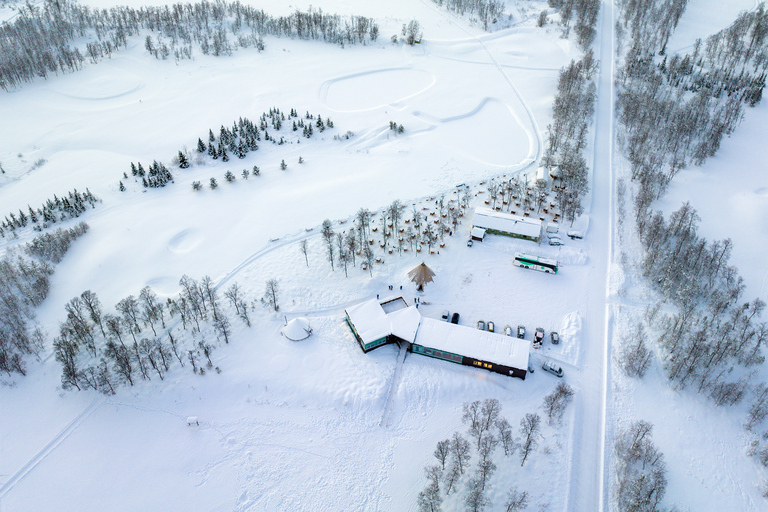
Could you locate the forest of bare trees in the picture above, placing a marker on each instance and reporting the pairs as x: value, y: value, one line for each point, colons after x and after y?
x: 142, y: 339
x: 41, y: 39
x: 673, y: 111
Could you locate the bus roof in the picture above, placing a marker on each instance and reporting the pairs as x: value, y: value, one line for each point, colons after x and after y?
x: 536, y: 258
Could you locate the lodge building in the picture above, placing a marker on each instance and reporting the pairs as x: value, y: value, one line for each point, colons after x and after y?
x: 375, y: 324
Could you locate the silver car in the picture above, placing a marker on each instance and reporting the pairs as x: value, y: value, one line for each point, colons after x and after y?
x: 552, y: 368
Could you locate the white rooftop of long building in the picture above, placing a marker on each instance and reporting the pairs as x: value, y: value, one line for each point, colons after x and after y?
x: 471, y: 342
x: 372, y: 323
x: 501, y: 221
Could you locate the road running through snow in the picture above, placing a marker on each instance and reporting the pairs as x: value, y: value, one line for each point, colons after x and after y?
x: 589, y: 464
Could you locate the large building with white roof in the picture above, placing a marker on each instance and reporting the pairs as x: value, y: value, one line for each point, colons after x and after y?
x: 501, y: 223
x: 375, y: 324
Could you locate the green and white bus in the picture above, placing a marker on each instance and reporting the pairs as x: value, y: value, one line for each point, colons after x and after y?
x: 536, y: 263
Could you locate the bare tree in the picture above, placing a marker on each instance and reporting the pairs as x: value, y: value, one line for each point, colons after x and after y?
x: 475, y: 500
x: 442, y: 451
x: 328, y: 236
x: 460, y: 450
x: 129, y: 308
x: 303, y: 246
x: 472, y: 417
x: 505, y: 436
x: 93, y: 305
x: 516, y: 501
x: 530, y: 430
x: 222, y: 325
x: 270, y: 298
x: 556, y: 402
x: 634, y: 356
x: 758, y: 411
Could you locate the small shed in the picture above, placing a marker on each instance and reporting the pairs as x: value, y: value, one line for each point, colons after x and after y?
x: 297, y: 329
x: 477, y: 234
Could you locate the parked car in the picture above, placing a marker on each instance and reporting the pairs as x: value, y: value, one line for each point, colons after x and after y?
x: 481, y: 325
x: 554, y: 337
x: 491, y: 327
x: 521, y: 331
x: 531, y: 368
x: 555, y: 240
x: 455, y: 318
x: 508, y: 330
x: 446, y: 315
x: 469, y: 243
x: 575, y: 235
x: 538, y: 335
x: 552, y: 368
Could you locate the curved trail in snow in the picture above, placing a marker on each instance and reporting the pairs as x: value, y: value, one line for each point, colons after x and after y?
x: 535, y: 141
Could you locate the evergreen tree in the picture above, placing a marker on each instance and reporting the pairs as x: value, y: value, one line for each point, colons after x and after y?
x: 201, y: 146
x: 183, y: 162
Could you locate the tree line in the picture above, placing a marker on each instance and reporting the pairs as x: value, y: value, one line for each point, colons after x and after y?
x: 102, y: 351
x: 24, y: 285
x: 583, y: 12
x: 53, y: 210
x: 487, y: 11
x: 664, y: 129
x: 572, y: 114
x: 243, y: 137
x: 42, y: 40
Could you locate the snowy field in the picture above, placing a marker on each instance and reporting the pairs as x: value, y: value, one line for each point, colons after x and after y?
x: 297, y: 425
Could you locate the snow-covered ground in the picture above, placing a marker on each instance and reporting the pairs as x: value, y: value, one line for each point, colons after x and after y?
x: 298, y: 425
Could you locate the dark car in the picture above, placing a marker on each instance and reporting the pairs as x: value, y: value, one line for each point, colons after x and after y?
x: 554, y: 337
x: 491, y: 327
x: 521, y: 331
x: 455, y: 318
x: 481, y: 325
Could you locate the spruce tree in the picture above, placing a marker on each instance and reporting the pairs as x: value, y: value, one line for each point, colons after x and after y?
x: 183, y: 162
x: 200, y: 146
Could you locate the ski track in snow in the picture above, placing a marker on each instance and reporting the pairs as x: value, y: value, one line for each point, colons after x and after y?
x: 49, y: 448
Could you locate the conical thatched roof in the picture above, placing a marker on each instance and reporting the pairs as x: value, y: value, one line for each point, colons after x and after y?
x: 421, y: 275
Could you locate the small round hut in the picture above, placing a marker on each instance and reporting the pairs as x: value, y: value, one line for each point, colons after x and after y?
x: 297, y: 329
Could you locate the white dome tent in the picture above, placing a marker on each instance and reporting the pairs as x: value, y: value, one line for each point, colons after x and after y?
x: 297, y: 329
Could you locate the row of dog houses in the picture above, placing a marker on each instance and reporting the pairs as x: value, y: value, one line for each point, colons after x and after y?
x: 375, y: 324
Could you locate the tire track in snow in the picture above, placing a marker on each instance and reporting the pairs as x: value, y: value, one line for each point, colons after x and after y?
x: 48, y: 448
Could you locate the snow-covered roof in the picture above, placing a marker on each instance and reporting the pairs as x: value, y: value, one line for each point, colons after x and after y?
x: 467, y: 341
x: 404, y: 323
x: 372, y: 323
x: 297, y: 329
x: 478, y: 233
x: 500, y: 221
x: 370, y: 320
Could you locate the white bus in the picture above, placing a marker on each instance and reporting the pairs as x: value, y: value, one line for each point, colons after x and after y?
x: 536, y: 263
